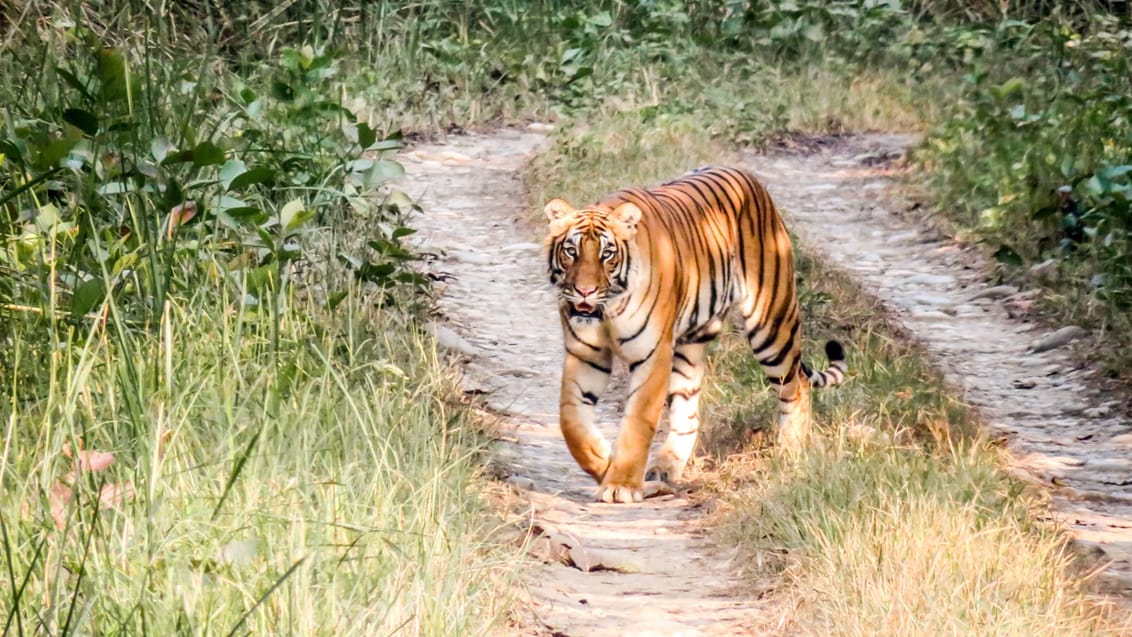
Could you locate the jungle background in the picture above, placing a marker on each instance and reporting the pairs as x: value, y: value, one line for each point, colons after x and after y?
x: 215, y: 420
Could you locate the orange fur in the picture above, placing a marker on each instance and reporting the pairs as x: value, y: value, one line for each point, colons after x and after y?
x: 649, y: 276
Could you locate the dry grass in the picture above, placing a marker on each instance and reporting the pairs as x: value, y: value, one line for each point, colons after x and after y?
x: 900, y: 540
x: 900, y: 520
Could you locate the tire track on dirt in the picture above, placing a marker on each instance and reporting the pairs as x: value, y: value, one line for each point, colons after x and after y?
x: 651, y: 572
x: 1060, y: 431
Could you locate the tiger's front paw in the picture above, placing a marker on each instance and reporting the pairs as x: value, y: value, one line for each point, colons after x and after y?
x: 622, y: 483
x: 623, y: 493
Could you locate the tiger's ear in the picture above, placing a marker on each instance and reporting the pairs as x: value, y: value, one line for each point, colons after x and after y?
x: 627, y: 214
x: 558, y: 209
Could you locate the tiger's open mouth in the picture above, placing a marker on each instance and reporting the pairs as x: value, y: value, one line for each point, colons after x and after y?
x: 585, y: 310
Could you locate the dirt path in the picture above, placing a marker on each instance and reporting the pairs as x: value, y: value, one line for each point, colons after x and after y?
x: 644, y: 570
x: 1060, y: 432
x: 650, y: 573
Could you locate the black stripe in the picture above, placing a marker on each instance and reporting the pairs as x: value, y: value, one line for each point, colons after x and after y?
x: 597, y: 366
x: 638, y: 332
x: 635, y: 364
x: 779, y: 357
x: 574, y: 334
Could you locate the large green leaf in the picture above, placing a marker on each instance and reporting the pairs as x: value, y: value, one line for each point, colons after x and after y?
x: 87, y: 295
x: 207, y: 153
x: 229, y: 171
x: 85, y: 121
x: 257, y: 175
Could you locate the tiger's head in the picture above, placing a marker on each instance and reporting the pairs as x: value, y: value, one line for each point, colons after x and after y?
x: 591, y: 255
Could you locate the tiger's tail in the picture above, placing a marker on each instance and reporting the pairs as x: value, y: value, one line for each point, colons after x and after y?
x: 832, y: 375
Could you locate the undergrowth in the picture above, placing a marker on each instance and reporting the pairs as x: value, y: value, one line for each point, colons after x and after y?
x: 218, y: 414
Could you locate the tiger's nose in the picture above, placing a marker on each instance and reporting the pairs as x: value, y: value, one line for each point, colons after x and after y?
x: 585, y: 291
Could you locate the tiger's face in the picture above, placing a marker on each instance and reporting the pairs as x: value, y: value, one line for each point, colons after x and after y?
x: 591, y: 253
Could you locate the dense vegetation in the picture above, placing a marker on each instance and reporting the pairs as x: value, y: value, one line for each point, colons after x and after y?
x: 210, y: 426
x: 202, y: 248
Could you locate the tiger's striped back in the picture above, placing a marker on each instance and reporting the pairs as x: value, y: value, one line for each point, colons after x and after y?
x: 661, y: 269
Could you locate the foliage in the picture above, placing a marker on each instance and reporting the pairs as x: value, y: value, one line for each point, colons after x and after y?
x: 133, y: 179
x: 1037, y: 156
x: 219, y: 413
x: 106, y: 193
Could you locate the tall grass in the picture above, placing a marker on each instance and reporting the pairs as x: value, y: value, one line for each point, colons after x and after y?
x: 320, y: 485
x: 900, y: 519
x: 218, y: 416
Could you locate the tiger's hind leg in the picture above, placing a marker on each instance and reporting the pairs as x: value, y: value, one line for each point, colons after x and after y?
x: 683, y: 413
x: 779, y: 353
x: 794, y: 415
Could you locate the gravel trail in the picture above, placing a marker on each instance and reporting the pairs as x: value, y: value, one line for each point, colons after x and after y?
x: 638, y: 570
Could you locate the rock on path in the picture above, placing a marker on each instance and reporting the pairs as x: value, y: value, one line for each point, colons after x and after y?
x: 641, y: 569
x: 1060, y: 432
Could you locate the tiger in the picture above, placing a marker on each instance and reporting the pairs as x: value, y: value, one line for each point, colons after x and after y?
x: 650, y: 276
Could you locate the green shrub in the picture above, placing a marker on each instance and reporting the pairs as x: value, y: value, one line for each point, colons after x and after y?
x: 1036, y: 157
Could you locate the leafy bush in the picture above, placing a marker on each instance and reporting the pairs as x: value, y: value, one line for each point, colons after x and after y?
x: 219, y: 415
x: 1036, y: 158
x: 128, y: 180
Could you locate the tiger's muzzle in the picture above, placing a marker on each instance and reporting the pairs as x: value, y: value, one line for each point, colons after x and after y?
x: 578, y: 305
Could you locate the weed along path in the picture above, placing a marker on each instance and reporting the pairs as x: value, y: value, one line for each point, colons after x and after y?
x: 1060, y: 432
x: 611, y: 570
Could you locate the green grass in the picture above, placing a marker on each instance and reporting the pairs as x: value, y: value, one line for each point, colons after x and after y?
x: 310, y: 488
x: 202, y: 280
x: 297, y: 469
x: 692, y: 124
x: 900, y: 519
